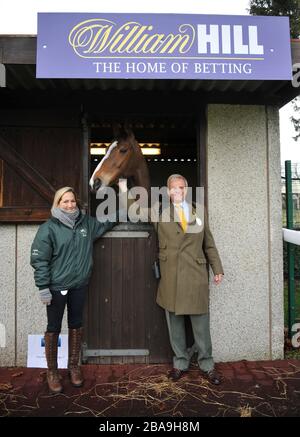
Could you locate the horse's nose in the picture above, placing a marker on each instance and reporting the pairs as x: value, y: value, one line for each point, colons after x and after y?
x: 97, y: 184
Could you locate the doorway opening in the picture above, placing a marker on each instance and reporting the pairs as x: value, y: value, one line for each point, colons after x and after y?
x: 173, y: 139
x: 123, y: 321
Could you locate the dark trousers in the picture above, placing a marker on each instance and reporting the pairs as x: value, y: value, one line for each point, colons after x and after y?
x: 74, y: 300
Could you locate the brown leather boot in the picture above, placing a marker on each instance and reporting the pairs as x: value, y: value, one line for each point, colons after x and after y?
x: 75, y: 336
x: 53, y: 378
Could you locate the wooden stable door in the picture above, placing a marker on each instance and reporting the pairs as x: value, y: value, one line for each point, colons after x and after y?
x: 123, y: 322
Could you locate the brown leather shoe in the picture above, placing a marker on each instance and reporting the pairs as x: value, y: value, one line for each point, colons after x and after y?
x: 76, y: 376
x: 53, y: 380
x: 176, y: 374
x: 213, y: 376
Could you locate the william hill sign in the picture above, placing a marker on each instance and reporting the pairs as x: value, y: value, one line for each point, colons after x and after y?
x: 163, y: 46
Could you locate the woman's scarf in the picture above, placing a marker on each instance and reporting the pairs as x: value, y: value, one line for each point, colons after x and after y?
x: 66, y: 217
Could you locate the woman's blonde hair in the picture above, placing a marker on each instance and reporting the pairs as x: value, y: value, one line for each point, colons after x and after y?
x: 59, y: 194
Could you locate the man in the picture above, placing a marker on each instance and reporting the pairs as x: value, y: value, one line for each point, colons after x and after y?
x: 183, y: 288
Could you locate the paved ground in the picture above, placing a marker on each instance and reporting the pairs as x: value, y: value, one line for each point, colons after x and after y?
x: 266, y: 388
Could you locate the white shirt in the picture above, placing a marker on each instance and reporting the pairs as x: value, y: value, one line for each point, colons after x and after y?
x: 185, y: 206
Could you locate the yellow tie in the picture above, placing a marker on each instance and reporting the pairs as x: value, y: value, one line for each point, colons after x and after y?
x: 182, y: 217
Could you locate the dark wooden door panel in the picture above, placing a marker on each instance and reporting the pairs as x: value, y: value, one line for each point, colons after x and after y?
x: 38, y: 161
x: 121, y: 312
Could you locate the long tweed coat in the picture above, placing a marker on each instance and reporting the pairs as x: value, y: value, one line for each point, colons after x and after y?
x: 183, y: 287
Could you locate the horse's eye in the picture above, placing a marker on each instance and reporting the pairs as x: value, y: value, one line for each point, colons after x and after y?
x: 123, y: 150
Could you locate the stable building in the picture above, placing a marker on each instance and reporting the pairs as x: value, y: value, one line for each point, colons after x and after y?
x: 219, y: 129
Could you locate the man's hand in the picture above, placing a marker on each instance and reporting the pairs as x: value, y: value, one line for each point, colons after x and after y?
x: 46, y: 296
x: 218, y: 279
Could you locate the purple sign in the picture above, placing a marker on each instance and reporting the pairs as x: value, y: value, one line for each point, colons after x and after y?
x: 163, y: 46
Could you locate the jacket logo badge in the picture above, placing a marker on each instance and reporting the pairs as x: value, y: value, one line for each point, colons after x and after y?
x: 83, y: 232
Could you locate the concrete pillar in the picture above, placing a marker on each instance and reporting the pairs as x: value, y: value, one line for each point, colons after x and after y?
x: 244, y: 204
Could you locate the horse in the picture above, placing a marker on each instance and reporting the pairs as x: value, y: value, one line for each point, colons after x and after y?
x: 123, y: 160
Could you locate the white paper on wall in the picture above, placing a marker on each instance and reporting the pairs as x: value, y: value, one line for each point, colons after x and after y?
x: 36, y: 351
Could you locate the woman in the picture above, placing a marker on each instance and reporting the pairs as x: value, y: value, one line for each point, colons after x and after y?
x: 61, y: 255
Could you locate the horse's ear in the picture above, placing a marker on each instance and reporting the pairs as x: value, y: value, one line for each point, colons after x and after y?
x: 128, y: 131
x: 116, y: 129
x: 123, y: 132
x: 130, y: 136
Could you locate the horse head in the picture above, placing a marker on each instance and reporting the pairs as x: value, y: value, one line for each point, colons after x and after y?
x: 123, y: 159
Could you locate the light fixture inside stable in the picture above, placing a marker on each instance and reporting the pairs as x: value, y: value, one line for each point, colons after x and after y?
x: 98, y: 150
x: 147, y: 148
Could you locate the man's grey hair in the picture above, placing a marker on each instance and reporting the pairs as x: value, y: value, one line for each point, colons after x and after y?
x: 176, y: 176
